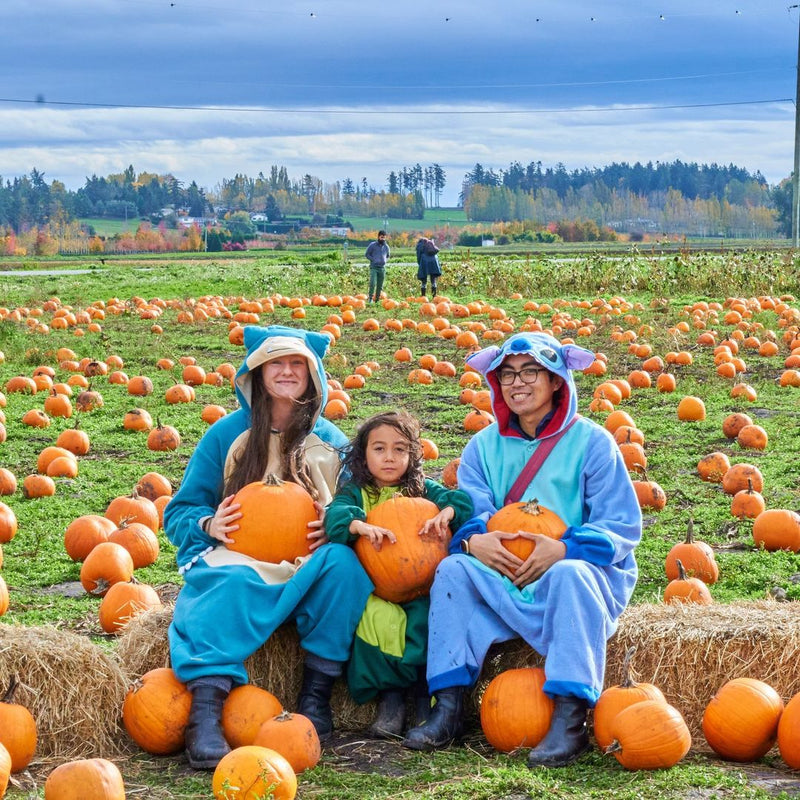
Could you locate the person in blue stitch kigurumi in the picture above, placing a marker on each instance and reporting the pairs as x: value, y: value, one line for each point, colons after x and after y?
x: 565, y: 599
x: 231, y: 604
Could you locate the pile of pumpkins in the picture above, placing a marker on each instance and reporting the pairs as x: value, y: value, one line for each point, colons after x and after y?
x: 270, y: 746
x: 634, y: 722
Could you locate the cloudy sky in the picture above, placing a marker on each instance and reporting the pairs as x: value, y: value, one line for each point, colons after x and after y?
x: 356, y: 88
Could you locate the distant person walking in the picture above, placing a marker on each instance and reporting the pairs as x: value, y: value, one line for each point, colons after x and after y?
x: 428, y: 265
x: 377, y: 254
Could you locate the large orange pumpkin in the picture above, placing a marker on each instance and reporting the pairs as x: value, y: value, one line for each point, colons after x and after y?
x: 650, y: 734
x: 245, y: 710
x: 84, y: 533
x: 294, y: 737
x: 403, y: 570
x: 125, y: 600
x: 156, y: 711
x: 252, y: 772
x: 274, y: 523
x: 697, y: 558
x: 515, y: 711
x: 777, y: 529
x: 8, y: 523
x: 527, y: 516
x: 133, y: 508
x: 789, y: 733
x: 741, y: 720
x: 17, y: 729
x: 85, y: 779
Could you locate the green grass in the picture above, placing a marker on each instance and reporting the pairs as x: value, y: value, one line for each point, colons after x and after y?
x: 111, y: 227
x: 35, y: 560
x: 433, y: 218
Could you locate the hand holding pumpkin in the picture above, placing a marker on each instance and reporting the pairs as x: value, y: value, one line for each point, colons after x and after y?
x: 545, y: 553
x: 437, y: 528
x: 375, y: 533
x: 489, y: 550
x: 316, y: 529
x: 225, y: 520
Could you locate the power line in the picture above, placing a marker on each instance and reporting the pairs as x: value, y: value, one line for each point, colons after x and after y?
x: 389, y: 111
x: 475, y: 86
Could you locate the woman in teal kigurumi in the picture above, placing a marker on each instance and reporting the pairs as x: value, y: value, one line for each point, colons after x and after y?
x: 230, y: 603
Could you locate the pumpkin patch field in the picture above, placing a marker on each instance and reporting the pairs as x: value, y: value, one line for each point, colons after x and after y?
x: 109, y: 377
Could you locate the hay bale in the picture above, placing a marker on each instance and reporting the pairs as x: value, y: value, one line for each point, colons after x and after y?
x: 688, y: 651
x: 276, y: 667
x: 73, y: 689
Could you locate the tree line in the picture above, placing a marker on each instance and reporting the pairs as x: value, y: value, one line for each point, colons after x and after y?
x: 671, y: 198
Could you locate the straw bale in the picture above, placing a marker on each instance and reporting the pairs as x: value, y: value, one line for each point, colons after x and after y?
x: 687, y: 650
x: 73, y: 689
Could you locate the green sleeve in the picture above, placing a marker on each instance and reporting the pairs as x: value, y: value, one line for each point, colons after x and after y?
x: 459, y: 501
x: 346, y: 506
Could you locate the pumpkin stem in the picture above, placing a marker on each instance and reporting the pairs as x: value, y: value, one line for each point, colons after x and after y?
x: 681, y: 570
x: 627, y: 681
x: 614, y: 747
x: 640, y: 468
x: 101, y: 586
x: 13, y: 682
x: 272, y: 480
x: 690, y: 532
x: 750, y: 486
x: 284, y: 716
x: 532, y: 507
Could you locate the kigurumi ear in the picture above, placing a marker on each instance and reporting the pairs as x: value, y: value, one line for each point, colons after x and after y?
x: 576, y: 357
x: 483, y: 359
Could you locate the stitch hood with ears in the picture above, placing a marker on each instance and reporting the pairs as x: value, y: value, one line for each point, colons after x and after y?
x: 549, y: 353
x: 277, y: 341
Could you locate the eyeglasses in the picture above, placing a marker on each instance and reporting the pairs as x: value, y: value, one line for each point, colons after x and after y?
x: 506, y: 376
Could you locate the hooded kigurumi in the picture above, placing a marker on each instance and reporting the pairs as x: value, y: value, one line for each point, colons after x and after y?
x: 565, y: 598
x: 230, y: 603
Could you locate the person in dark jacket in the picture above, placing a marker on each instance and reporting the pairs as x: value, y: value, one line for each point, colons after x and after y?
x: 428, y: 265
x: 377, y: 254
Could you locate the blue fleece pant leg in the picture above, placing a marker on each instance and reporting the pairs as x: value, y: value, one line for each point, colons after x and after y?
x: 329, y: 612
x: 224, y: 614
x: 563, y: 616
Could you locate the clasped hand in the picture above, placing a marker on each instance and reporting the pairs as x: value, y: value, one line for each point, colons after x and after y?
x: 434, y: 528
x: 226, y: 522
x: 489, y: 550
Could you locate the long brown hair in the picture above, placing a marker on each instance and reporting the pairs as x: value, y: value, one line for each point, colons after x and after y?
x: 251, y: 462
x: 412, y: 483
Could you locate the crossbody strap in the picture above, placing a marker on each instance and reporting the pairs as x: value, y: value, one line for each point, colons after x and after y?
x: 534, y: 463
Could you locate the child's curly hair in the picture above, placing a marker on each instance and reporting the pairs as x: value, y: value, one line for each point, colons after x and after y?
x: 412, y: 483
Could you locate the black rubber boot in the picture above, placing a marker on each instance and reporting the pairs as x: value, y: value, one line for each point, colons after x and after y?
x: 314, y: 700
x: 567, y: 738
x: 444, y: 725
x: 205, y: 742
x: 391, y: 716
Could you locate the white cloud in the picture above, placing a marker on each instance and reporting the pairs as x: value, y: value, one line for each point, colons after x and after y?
x: 209, y: 145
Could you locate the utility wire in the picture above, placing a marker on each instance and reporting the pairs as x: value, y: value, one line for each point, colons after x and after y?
x: 405, y: 111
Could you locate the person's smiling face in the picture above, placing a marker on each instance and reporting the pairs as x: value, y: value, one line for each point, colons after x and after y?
x: 286, y: 378
x: 529, y: 401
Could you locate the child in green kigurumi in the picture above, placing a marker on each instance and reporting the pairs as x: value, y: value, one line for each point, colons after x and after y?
x: 389, y: 650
